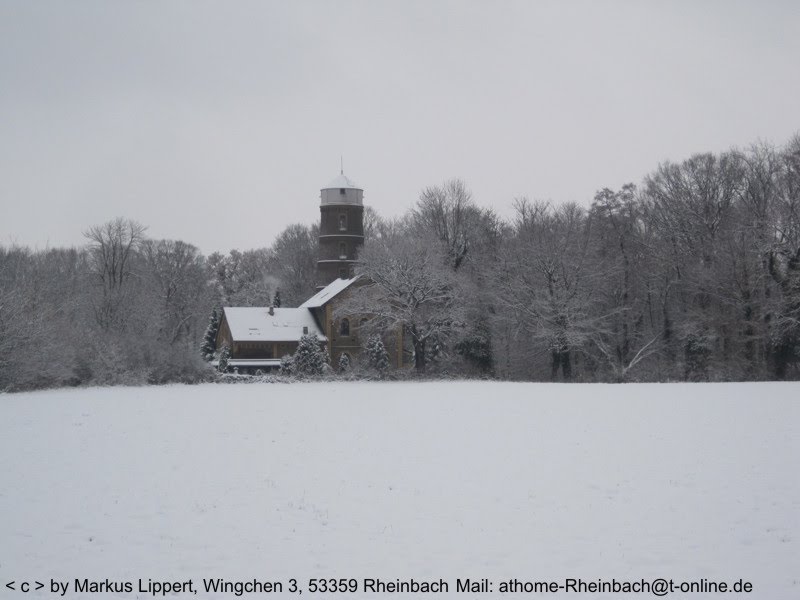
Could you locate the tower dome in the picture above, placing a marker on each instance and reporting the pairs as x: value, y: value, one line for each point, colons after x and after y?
x: 342, y: 190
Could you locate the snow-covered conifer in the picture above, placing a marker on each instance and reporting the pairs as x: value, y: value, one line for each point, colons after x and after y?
x: 377, y: 357
x: 224, y: 357
x: 287, y: 365
x: 310, y: 358
x: 209, y: 345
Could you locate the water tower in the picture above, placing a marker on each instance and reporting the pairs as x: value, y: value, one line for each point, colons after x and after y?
x: 341, y: 229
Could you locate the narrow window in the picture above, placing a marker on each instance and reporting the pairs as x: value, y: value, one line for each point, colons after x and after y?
x: 342, y: 251
x: 344, y: 327
x: 343, y: 222
x: 341, y: 191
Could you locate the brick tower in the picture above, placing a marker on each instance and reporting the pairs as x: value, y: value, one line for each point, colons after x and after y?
x: 341, y: 229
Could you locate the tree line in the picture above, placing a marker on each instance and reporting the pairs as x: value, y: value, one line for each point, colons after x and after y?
x: 127, y: 309
x: 694, y: 275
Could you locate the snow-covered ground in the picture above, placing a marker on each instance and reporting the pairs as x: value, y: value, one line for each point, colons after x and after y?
x: 401, y: 480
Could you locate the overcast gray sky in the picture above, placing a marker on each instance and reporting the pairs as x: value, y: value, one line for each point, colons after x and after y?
x: 217, y: 122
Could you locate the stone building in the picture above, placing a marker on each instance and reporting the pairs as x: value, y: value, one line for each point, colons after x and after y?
x: 345, y: 334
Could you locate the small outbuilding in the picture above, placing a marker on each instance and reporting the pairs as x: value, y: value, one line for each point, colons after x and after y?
x: 259, y: 336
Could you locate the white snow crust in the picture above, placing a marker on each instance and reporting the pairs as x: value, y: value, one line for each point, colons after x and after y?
x: 400, y: 480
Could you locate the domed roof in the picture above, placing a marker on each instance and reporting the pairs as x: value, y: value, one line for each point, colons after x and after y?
x: 341, y: 181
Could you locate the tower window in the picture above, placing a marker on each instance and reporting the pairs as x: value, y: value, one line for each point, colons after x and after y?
x: 341, y: 191
x: 342, y: 273
x: 344, y: 327
x: 343, y: 222
x: 342, y: 251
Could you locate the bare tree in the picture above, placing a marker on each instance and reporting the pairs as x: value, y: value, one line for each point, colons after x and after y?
x: 784, y: 262
x: 294, y: 262
x: 542, y: 284
x: 177, y: 272
x: 374, y: 224
x: 692, y: 207
x: 407, y: 284
x: 448, y: 212
x: 243, y: 278
x: 624, y: 335
x: 39, y: 307
x: 112, y: 249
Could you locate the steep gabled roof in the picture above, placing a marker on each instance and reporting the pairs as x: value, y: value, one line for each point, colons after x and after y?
x: 255, y: 324
x: 327, y: 293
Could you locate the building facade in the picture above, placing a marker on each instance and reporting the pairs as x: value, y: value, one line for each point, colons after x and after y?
x: 345, y: 334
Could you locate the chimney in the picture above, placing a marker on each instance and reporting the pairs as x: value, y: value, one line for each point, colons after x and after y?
x: 271, y: 310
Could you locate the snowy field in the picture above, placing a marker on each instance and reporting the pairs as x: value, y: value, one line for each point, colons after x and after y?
x: 403, y: 480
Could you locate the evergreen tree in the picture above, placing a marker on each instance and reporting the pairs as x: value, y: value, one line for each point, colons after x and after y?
x: 377, y: 357
x: 476, y: 347
x: 276, y: 299
x: 224, y: 357
x: 287, y: 365
x: 437, y: 354
x: 209, y: 345
x: 310, y: 358
x: 344, y: 363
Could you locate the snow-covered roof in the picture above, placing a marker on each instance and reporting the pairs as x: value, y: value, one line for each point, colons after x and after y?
x: 327, y: 293
x: 255, y: 324
x: 342, y: 181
